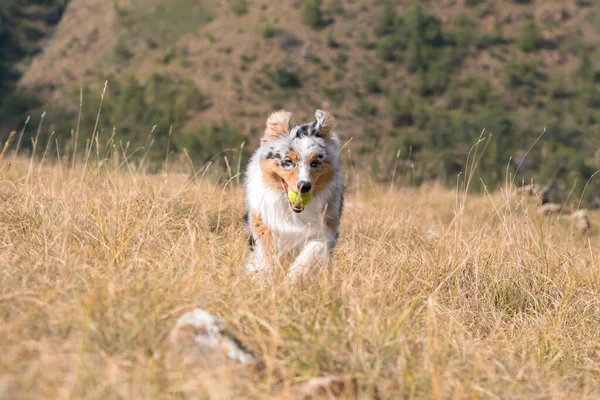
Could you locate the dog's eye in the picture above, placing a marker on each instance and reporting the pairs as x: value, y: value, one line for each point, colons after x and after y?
x: 314, y: 164
x: 287, y: 163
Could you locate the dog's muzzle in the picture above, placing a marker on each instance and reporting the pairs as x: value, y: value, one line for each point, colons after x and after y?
x: 296, y: 209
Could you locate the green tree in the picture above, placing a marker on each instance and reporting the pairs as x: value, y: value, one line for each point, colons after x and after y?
x: 587, y: 89
x: 423, y: 33
x: 585, y: 67
x: 464, y: 31
x: 529, y: 37
x: 388, y: 19
x: 209, y: 141
x: 520, y: 72
x: 312, y: 15
x: 22, y: 25
x: 239, y: 7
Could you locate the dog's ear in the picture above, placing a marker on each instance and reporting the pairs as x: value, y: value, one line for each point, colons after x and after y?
x: 325, y: 123
x: 278, y: 124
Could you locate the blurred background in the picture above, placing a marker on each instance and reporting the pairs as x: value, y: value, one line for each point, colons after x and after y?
x: 412, y: 83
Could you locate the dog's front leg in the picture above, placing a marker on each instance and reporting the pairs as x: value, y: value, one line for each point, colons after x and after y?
x: 260, y: 265
x: 257, y: 261
x: 313, y: 255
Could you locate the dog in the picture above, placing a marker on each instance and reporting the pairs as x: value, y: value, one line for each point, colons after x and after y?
x: 304, y: 159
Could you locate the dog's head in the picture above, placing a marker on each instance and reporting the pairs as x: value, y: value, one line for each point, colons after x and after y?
x: 299, y: 157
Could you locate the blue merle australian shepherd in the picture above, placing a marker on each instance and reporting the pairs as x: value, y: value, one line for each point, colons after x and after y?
x: 294, y: 161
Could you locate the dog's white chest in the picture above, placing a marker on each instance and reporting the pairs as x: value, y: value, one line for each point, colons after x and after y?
x: 290, y: 230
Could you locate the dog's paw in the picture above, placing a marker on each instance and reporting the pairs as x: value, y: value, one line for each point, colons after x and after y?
x: 252, y: 268
x: 313, y: 258
x: 296, y: 274
x: 258, y: 273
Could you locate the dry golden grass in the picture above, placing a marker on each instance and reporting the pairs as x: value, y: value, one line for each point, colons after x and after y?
x: 97, y: 266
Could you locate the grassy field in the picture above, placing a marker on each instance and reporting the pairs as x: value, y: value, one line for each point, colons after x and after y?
x: 431, y: 294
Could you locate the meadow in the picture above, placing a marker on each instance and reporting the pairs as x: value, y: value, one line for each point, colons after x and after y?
x: 432, y: 293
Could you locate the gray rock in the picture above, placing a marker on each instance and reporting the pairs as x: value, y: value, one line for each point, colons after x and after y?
x: 553, y: 209
x: 534, y: 192
x: 199, y: 339
x: 581, y: 221
x: 326, y: 387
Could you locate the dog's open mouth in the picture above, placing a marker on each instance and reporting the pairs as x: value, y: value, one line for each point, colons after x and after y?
x: 296, y: 209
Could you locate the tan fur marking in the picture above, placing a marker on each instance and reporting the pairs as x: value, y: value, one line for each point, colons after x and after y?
x: 278, y: 124
x: 322, y: 178
x: 263, y: 233
x: 272, y: 175
x: 327, y: 125
x: 291, y: 177
x: 293, y: 155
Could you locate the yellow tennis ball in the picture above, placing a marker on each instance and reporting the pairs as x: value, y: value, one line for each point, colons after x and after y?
x: 299, y: 200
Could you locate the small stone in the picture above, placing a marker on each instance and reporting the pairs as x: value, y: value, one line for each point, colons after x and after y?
x: 326, y: 387
x: 581, y: 221
x: 199, y: 339
x: 432, y: 235
x: 534, y: 192
x: 552, y: 208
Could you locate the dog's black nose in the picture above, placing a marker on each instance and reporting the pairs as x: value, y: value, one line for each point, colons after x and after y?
x: 304, y: 187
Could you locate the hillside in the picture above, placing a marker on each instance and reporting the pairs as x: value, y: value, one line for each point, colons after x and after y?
x: 25, y: 28
x: 421, y: 78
